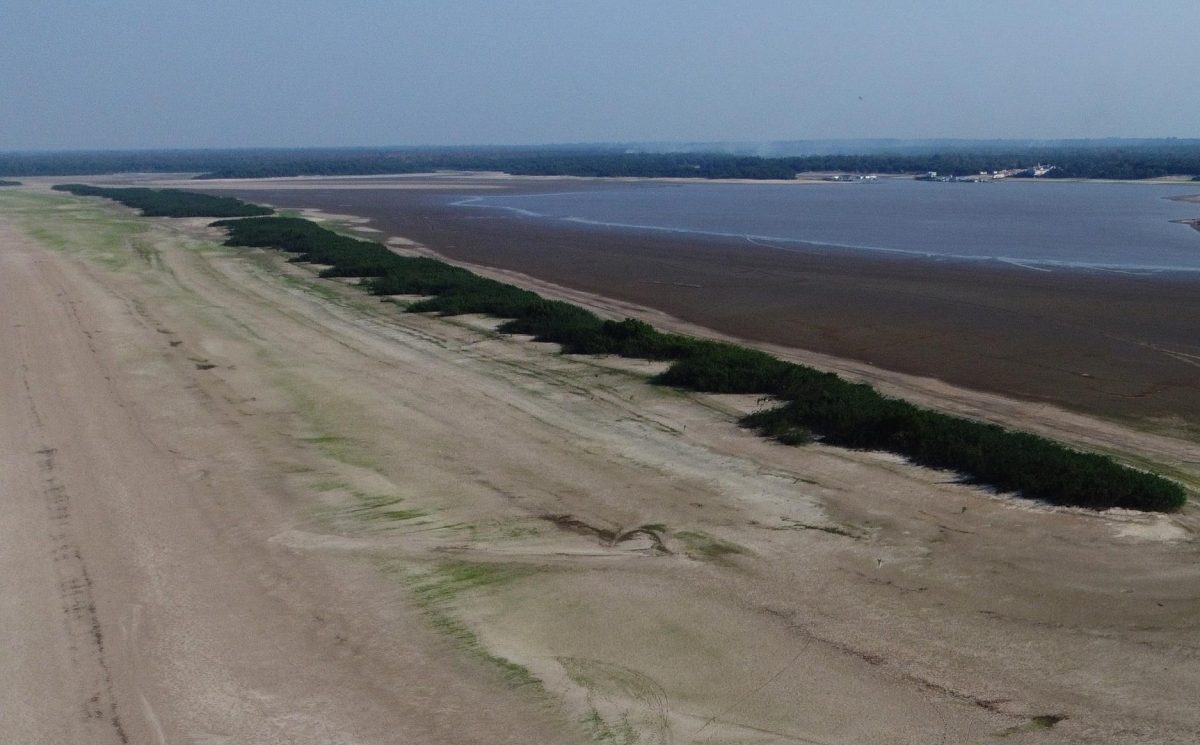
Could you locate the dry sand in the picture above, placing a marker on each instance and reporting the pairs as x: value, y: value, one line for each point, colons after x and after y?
x: 152, y: 594
x: 247, y: 506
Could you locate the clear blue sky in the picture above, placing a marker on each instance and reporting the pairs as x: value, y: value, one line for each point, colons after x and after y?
x: 211, y: 73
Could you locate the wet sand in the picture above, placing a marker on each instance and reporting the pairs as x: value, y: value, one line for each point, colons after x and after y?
x: 1115, y: 345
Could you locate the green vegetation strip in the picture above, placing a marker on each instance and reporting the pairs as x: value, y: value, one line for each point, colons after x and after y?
x: 816, y: 405
x: 169, y: 202
x: 438, y: 588
x: 9, y: 183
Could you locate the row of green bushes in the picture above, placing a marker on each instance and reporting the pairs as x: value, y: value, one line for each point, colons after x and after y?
x: 815, y: 404
x: 169, y: 202
x: 9, y: 183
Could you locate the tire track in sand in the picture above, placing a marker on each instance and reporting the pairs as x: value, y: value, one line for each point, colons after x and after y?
x: 81, y: 620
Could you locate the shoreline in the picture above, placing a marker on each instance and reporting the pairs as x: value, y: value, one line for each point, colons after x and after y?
x: 489, y: 181
x: 1100, y: 343
x: 1191, y: 222
x: 1097, y: 343
x: 1082, y: 430
x: 393, y: 511
x: 865, y: 252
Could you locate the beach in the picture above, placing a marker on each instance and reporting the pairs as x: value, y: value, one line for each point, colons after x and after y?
x: 279, y: 510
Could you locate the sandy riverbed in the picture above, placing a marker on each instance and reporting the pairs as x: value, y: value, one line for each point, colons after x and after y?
x: 248, y: 506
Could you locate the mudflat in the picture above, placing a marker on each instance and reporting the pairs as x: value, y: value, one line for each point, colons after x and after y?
x: 1116, y: 345
x: 250, y: 506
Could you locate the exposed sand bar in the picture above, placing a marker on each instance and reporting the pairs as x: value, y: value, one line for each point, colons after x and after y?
x: 302, y: 516
x: 151, y: 499
x: 1117, y: 345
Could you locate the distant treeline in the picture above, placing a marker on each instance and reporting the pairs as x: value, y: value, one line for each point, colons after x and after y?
x: 169, y: 202
x: 815, y: 404
x: 9, y: 183
x: 1110, y: 160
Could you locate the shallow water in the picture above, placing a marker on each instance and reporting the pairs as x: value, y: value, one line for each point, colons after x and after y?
x: 1043, y: 224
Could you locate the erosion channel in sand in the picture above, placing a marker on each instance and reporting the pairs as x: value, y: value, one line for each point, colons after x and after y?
x: 249, y: 505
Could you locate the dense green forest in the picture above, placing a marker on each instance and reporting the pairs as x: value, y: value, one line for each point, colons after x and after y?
x: 169, y: 202
x: 815, y: 405
x: 1076, y: 159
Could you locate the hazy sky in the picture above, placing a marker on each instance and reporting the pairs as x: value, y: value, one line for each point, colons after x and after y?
x: 210, y: 73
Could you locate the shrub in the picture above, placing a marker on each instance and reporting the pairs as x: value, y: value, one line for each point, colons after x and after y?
x: 169, y: 202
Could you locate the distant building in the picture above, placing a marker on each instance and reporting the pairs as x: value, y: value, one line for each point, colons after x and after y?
x: 852, y: 177
x: 1038, y: 170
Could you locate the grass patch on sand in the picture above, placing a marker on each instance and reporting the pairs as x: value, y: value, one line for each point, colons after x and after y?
x: 1036, y: 723
x: 436, y: 589
x: 625, y: 706
x: 410, y: 514
x: 704, y: 547
x: 375, y: 508
x: 620, y: 732
x: 116, y: 242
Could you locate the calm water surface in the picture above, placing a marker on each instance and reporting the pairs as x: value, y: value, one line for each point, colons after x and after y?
x: 1125, y: 227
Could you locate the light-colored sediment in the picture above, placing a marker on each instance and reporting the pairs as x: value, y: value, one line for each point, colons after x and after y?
x: 247, y: 506
x: 151, y: 593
